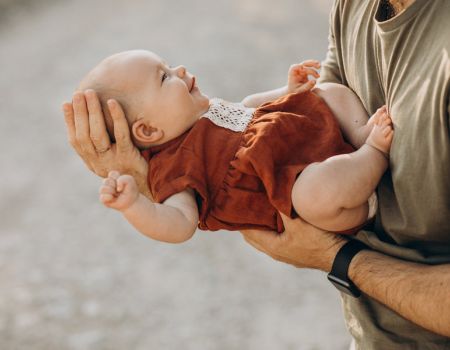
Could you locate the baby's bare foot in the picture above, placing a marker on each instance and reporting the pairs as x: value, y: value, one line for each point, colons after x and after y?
x: 382, y: 133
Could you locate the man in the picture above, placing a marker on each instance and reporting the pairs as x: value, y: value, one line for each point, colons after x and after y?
x: 394, y: 53
x: 397, y: 53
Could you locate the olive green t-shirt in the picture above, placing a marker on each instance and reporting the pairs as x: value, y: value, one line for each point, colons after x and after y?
x: 403, y: 62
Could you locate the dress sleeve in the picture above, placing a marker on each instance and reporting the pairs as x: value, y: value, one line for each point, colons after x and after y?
x: 330, y: 72
x: 175, y: 170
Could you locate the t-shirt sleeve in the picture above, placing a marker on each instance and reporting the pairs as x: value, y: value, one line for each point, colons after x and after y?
x: 330, y: 72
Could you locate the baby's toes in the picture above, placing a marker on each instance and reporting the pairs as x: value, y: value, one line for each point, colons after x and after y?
x: 387, y: 130
x: 389, y: 135
x: 376, y: 117
x: 385, y: 121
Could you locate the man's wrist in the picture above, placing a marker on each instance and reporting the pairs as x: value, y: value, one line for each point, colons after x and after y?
x: 331, y: 255
x: 339, y: 274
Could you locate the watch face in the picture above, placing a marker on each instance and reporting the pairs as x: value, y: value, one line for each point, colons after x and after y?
x: 344, y: 286
x: 339, y: 271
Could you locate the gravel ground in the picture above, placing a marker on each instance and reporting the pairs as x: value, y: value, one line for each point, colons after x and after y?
x: 75, y: 275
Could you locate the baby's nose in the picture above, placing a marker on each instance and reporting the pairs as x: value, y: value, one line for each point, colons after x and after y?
x: 181, y: 71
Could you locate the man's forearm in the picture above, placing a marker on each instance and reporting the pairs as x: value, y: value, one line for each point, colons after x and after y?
x: 419, y: 293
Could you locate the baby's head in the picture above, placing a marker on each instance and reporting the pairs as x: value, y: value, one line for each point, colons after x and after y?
x: 160, y: 102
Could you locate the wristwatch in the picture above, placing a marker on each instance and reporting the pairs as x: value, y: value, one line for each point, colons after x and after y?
x: 339, y: 272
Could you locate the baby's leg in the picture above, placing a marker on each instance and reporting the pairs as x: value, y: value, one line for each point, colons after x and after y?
x: 333, y: 194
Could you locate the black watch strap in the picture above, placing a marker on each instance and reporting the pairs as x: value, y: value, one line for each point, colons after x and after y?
x: 339, y: 272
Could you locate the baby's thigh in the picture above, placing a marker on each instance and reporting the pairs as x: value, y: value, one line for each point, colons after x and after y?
x: 310, y: 196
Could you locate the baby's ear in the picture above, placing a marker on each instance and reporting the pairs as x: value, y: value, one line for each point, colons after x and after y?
x: 144, y: 133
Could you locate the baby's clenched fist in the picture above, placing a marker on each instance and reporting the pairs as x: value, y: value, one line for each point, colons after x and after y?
x: 118, y: 191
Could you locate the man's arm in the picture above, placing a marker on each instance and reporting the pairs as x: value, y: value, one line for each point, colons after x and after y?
x: 419, y: 293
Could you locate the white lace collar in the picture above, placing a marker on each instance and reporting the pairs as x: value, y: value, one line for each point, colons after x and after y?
x: 229, y: 115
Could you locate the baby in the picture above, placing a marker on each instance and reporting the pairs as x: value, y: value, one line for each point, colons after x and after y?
x: 221, y: 165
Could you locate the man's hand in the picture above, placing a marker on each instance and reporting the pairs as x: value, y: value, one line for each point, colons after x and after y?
x: 87, y: 134
x: 301, y: 244
x: 298, y: 76
x: 417, y: 292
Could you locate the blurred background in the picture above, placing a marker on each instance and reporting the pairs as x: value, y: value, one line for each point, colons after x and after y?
x: 73, y: 274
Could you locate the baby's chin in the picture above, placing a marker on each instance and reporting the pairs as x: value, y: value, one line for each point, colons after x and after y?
x: 205, y: 107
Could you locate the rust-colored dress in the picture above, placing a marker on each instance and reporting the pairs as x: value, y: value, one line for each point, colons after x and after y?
x: 242, y: 163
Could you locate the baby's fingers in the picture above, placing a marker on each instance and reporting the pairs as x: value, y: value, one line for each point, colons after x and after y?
x: 109, y: 181
x: 106, y: 198
x: 310, y: 71
x: 307, y: 86
x: 311, y: 63
x: 107, y: 189
x: 301, y: 70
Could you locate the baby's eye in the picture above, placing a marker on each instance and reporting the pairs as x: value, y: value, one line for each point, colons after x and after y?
x: 164, y: 76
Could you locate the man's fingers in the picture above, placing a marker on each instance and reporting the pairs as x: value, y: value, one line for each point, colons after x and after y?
x: 97, y: 126
x: 71, y: 134
x: 262, y: 240
x: 265, y: 248
x: 121, y: 129
x: 82, y: 123
x: 70, y: 123
x: 254, y: 243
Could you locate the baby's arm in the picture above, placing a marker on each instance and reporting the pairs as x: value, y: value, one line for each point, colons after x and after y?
x: 174, y: 221
x: 348, y: 110
x: 297, y: 82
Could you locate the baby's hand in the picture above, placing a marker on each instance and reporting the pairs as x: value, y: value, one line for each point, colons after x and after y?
x: 298, y: 76
x: 118, y: 191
